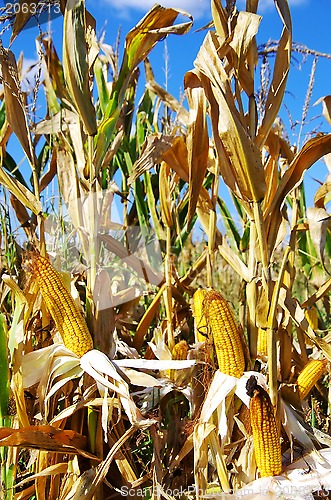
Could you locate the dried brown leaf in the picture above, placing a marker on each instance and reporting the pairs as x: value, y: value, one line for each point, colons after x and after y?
x: 15, y: 104
x: 45, y: 437
x: 312, y: 151
x: 322, y: 195
x: 69, y: 186
x: 321, y: 292
x: 239, y: 158
x: 169, y: 100
x: 280, y: 75
x: 152, y: 150
x: 165, y: 194
x: 245, y: 30
x: 197, y: 139
x: 297, y: 313
x: 326, y: 106
x: 220, y: 19
x: 23, y: 194
x: 54, y: 78
x: 56, y: 123
x: 157, y: 24
x: 177, y: 157
x: 24, y: 11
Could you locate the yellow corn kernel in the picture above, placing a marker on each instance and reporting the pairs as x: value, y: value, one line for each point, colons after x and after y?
x: 310, y: 374
x: 200, y: 324
x: 266, y: 438
x: 66, y: 315
x: 180, y: 350
x: 225, y: 334
x: 262, y: 348
x: 244, y: 417
x: 312, y: 317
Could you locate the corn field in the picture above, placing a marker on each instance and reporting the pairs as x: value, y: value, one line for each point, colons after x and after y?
x: 157, y: 340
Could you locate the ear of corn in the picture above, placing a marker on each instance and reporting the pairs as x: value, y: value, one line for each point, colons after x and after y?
x: 225, y: 334
x: 244, y: 417
x: 262, y: 342
x: 200, y: 324
x: 180, y: 350
x: 309, y: 376
x: 67, y: 317
x: 266, y: 436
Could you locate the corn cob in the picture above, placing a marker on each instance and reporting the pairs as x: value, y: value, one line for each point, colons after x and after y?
x: 180, y: 350
x: 244, y: 417
x: 308, y: 377
x: 266, y: 436
x: 262, y: 342
x: 225, y: 334
x: 67, y: 317
x: 200, y: 324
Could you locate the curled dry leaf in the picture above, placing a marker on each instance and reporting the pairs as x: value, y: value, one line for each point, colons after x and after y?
x: 45, y: 437
x: 169, y: 100
x: 197, y: 139
x: 313, y: 150
x: 23, y: 194
x: 239, y: 158
x: 157, y: 24
x: 242, y: 42
x: 326, y: 106
x: 280, y: 75
x: 154, y: 147
x: 322, y: 195
x: 15, y: 104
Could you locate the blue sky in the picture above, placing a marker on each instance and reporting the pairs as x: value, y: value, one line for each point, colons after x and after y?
x: 311, y: 25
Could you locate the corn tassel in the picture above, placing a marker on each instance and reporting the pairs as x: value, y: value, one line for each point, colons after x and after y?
x: 225, y: 334
x: 66, y: 315
x: 200, y: 324
x: 262, y: 342
x: 265, y: 431
x: 308, y: 377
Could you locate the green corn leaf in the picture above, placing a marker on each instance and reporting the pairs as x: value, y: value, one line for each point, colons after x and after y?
x: 102, y: 85
x: 75, y: 62
x: 232, y: 231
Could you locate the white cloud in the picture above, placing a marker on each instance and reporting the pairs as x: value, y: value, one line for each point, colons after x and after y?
x: 124, y: 8
x: 127, y: 9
